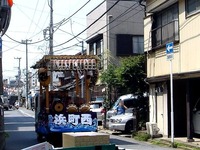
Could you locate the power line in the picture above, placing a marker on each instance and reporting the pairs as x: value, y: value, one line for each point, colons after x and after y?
x: 32, y: 18
x: 22, y: 43
x: 89, y: 25
x: 121, y: 15
x: 66, y: 20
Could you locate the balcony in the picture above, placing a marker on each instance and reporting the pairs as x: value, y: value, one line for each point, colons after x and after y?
x: 164, y: 34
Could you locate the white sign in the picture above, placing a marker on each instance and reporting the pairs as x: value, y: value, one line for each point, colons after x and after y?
x: 72, y: 64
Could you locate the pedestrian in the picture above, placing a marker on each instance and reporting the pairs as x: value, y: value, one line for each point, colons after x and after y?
x: 121, y: 108
x: 30, y: 100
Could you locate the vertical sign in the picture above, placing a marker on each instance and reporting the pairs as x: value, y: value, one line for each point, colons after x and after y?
x: 170, y: 55
x: 170, y: 51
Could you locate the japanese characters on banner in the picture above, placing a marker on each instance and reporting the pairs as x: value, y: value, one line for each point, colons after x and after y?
x: 73, y: 64
x: 76, y: 122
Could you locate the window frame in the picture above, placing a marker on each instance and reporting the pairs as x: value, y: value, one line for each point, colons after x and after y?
x: 165, y: 21
x: 125, y: 45
x: 188, y: 13
x: 95, y: 50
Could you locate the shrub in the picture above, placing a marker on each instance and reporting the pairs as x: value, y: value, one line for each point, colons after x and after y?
x: 141, y: 136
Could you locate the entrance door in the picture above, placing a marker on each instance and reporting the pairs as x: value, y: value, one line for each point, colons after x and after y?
x: 160, y: 112
x: 196, y: 117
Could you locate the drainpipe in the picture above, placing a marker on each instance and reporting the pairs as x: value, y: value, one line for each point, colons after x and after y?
x: 140, y: 2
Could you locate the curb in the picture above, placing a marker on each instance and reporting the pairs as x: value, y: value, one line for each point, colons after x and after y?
x: 178, y: 144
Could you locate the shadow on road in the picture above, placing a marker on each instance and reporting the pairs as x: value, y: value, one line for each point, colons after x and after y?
x: 20, y: 131
x: 121, y: 142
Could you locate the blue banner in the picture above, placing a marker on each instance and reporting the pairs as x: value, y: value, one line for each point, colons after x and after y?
x: 69, y: 122
x: 76, y: 122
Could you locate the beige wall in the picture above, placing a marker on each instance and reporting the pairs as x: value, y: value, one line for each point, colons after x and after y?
x: 162, y: 115
x: 158, y: 108
x: 186, y: 52
x: 152, y: 103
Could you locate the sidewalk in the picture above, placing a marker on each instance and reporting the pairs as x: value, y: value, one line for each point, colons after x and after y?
x: 181, y: 143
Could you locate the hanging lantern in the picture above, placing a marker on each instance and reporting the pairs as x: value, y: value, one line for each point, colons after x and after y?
x: 10, y: 2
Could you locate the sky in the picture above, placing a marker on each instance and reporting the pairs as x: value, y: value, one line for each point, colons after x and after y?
x: 29, y: 21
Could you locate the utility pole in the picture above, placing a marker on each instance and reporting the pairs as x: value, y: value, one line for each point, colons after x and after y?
x: 51, y: 38
x: 27, y: 84
x: 18, y: 79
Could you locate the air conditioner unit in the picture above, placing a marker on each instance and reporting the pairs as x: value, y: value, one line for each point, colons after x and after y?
x: 147, y: 127
x: 153, y: 129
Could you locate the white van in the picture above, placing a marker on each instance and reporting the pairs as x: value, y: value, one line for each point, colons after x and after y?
x: 128, y: 101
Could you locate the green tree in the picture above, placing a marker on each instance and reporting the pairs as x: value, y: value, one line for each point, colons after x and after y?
x: 131, y: 74
x: 108, y: 78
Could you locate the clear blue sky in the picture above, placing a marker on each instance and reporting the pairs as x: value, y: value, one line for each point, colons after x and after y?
x: 29, y: 19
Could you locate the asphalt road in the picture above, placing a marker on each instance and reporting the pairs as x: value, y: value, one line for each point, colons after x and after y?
x: 20, y: 130
x: 19, y: 125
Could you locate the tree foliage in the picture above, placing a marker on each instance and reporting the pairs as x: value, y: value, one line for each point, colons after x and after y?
x: 128, y: 77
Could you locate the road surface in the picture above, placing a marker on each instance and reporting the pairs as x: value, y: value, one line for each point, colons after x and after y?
x: 19, y: 125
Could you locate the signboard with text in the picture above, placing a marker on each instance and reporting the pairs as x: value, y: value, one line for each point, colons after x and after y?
x: 69, y: 122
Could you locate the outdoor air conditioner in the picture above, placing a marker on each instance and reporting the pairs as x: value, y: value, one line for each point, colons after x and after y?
x: 152, y: 128
x: 147, y: 127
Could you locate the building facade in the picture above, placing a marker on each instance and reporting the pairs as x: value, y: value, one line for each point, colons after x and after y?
x: 115, y: 30
x: 165, y: 22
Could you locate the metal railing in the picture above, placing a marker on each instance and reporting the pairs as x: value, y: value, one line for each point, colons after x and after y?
x: 164, y: 34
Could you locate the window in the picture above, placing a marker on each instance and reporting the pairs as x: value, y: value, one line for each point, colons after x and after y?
x: 138, y: 44
x: 128, y: 44
x: 96, y: 48
x: 165, y: 26
x: 192, y: 6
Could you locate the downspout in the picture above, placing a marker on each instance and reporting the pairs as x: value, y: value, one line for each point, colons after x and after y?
x: 140, y: 2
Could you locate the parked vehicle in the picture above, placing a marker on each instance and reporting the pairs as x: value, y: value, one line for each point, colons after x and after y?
x: 137, y: 103
x: 5, y: 102
x: 97, y: 106
x: 12, y: 99
x: 98, y: 98
x: 129, y: 101
x: 196, y: 117
x: 125, y: 122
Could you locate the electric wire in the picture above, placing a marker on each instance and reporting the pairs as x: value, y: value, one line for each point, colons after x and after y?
x: 66, y: 20
x: 121, y: 15
x: 39, y: 21
x: 89, y: 25
x: 22, y: 42
x: 59, y: 24
x: 32, y: 18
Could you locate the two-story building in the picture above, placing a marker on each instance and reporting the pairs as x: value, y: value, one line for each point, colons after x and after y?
x: 115, y: 30
x: 174, y: 21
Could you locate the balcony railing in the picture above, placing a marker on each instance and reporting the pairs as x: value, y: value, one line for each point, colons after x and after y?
x: 164, y: 34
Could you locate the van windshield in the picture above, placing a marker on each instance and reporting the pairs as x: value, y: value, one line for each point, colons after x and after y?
x: 114, y: 106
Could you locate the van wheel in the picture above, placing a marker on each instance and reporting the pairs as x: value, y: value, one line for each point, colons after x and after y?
x: 129, y: 126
